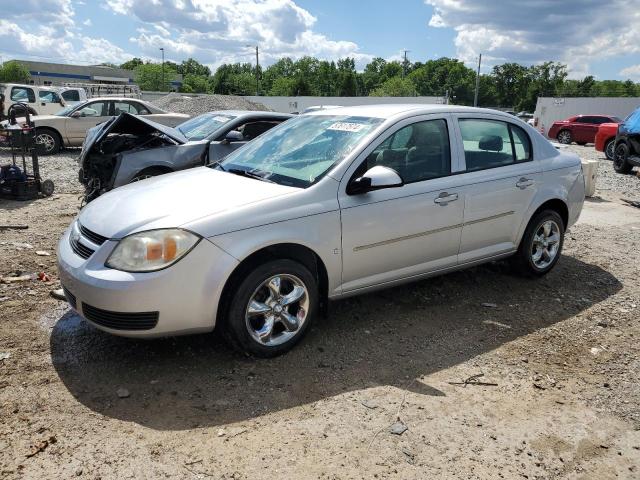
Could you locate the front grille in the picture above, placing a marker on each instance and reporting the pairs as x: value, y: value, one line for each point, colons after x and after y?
x: 121, y: 320
x: 93, y: 236
x: 71, y: 298
x: 80, y: 249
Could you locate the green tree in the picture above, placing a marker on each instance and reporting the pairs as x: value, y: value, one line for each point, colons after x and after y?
x: 132, y: 64
x: 395, y: 87
x: 445, y: 75
x: 283, y: 86
x: 195, y: 83
x: 149, y: 77
x: 544, y: 80
x: 13, y: 71
x: 510, y: 81
x: 191, y: 66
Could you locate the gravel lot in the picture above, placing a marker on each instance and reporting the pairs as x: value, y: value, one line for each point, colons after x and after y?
x: 562, y: 351
x: 174, y: 102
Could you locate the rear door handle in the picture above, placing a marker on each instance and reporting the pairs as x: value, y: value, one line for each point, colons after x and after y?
x: 524, y: 183
x: 444, y: 198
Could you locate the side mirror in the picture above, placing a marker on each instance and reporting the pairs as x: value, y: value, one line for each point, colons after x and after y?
x: 376, y: 178
x: 76, y: 114
x: 233, y: 136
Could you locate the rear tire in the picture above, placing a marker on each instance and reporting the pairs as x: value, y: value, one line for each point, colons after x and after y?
x: 610, y: 149
x: 541, y: 244
x: 564, y: 137
x: 620, y: 164
x: 263, y: 320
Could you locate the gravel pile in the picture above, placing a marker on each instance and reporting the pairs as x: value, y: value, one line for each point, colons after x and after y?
x: 608, y: 180
x: 174, y: 102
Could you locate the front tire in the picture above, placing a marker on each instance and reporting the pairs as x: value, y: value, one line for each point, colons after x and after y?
x: 620, y: 164
x: 610, y: 149
x: 271, y: 309
x: 541, y: 244
x: 47, y: 142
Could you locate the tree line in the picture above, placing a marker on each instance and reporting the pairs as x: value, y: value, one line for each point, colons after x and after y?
x: 510, y: 85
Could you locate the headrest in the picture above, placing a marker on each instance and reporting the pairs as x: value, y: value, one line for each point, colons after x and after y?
x: 492, y: 143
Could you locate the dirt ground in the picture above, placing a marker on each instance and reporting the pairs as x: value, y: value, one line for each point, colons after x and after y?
x: 559, y: 359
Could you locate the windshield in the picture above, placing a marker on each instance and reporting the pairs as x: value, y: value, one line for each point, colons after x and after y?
x: 68, y: 109
x: 202, y: 126
x: 301, y: 150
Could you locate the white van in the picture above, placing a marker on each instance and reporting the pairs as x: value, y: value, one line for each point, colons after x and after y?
x: 40, y: 100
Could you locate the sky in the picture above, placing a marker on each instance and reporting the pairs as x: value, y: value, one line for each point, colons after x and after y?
x: 593, y: 37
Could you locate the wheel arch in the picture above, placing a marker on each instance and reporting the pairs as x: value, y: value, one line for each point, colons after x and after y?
x: 53, y: 130
x: 290, y: 251
x: 557, y: 205
x: 551, y: 203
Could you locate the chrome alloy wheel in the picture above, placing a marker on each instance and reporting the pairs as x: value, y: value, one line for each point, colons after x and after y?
x: 546, y: 244
x: 277, y: 310
x: 564, y: 137
x: 46, y: 140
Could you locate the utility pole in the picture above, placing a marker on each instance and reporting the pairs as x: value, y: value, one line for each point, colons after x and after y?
x: 257, y: 68
x: 404, y: 64
x: 162, y: 50
x: 475, y: 98
x: 257, y: 72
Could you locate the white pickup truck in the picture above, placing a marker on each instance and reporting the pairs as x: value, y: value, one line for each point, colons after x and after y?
x: 39, y: 99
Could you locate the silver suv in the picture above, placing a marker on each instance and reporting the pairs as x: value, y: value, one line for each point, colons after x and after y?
x: 326, y: 205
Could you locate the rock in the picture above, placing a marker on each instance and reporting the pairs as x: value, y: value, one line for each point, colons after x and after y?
x: 398, y: 428
x: 21, y: 278
x: 369, y: 404
x: 490, y: 305
x: 58, y: 294
x: 4, y: 355
x: 603, y: 323
x: 123, y: 393
x: 78, y: 471
x: 42, y: 253
x: 594, y: 351
x: 221, y: 432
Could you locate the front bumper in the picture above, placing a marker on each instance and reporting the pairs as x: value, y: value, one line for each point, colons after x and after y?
x: 185, y: 295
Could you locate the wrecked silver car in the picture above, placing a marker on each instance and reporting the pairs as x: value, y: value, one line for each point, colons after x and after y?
x: 127, y: 148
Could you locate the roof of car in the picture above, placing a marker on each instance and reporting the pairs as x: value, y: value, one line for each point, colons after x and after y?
x: 390, y: 110
x: 253, y: 113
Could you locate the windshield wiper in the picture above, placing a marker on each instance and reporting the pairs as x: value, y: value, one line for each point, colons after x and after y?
x: 248, y: 174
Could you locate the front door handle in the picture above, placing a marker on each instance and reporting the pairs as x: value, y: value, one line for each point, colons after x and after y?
x: 444, y: 198
x: 524, y: 183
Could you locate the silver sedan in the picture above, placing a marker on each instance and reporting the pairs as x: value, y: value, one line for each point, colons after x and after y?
x: 330, y: 204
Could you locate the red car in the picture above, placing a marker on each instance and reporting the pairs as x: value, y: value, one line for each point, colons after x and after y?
x: 580, y: 129
x: 606, y: 139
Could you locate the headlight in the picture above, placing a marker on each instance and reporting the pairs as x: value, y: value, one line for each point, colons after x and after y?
x: 152, y: 250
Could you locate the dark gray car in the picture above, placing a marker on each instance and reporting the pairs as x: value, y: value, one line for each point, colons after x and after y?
x: 129, y: 148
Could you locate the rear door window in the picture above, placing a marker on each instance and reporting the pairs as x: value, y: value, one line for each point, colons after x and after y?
x: 71, y: 95
x: 492, y: 144
x: 23, y: 94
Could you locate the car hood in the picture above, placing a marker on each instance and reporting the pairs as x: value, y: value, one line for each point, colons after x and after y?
x: 173, y: 200
x: 131, y: 124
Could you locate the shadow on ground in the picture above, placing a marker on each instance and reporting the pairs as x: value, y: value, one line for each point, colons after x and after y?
x: 376, y: 339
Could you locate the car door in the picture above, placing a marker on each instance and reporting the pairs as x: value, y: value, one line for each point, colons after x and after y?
x: 91, y: 114
x: 49, y: 102
x: 25, y: 95
x: 247, y: 131
x: 398, y: 233
x: 501, y: 177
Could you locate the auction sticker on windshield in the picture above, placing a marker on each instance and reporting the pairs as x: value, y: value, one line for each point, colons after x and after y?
x: 347, y: 127
x: 221, y: 119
